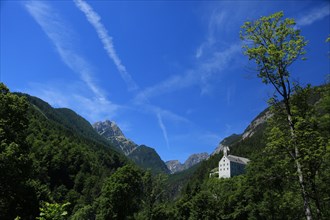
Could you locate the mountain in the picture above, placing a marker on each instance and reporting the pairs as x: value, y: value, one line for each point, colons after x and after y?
x: 66, y: 119
x: 257, y: 124
x: 148, y: 158
x: 195, y: 159
x: 226, y: 142
x: 143, y: 156
x: 57, y: 156
x: 254, y: 140
x: 175, y: 166
x: 110, y: 131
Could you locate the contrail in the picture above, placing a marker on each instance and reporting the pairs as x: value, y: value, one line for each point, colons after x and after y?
x: 95, y: 20
x: 102, y: 32
x: 60, y: 35
x: 314, y: 15
x: 162, y: 126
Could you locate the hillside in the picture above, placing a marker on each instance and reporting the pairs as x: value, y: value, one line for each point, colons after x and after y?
x: 53, y: 155
x: 65, y: 159
x: 193, y: 178
x: 54, y: 162
x: 148, y: 158
x: 144, y: 156
x: 270, y: 178
x: 67, y: 119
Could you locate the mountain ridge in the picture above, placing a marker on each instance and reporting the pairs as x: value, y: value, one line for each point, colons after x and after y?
x: 255, y: 125
x: 175, y: 166
x: 144, y: 156
x: 110, y: 131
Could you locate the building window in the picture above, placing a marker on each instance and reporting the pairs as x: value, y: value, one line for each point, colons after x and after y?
x: 227, y: 168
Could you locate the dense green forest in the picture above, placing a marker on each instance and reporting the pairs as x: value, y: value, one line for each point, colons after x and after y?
x: 55, y: 166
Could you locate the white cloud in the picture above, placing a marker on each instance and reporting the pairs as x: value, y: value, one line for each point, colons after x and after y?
x: 162, y: 126
x: 314, y: 15
x: 213, y: 56
x: 61, y: 36
x: 217, y: 22
x: 91, y: 108
x: 201, y: 76
x: 102, y: 32
x: 220, y: 23
x: 95, y: 109
x: 143, y: 103
x: 55, y: 28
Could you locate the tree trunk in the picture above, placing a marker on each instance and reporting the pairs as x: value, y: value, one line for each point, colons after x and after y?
x: 286, y: 96
x: 317, y: 200
x: 305, y: 196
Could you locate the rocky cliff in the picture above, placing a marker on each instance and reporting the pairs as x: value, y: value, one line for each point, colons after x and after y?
x: 112, y: 132
x: 253, y: 127
x: 175, y: 166
x: 143, y: 156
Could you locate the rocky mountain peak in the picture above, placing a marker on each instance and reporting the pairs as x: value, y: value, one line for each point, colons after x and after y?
x: 226, y: 142
x: 112, y: 132
x: 175, y: 166
x: 143, y: 156
x: 195, y: 159
x: 253, y: 127
x: 108, y: 129
x: 259, y: 120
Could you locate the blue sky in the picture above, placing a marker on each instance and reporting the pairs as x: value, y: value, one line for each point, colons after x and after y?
x: 171, y: 74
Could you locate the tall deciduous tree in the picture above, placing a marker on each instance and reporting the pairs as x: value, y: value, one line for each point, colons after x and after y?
x: 275, y: 44
x: 15, y: 194
x: 121, y: 194
x: 153, y: 190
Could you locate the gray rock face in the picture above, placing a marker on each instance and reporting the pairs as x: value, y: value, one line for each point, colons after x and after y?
x: 175, y: 166
x: 262, y: 118
x: 195, y: 159
x: 107, y: 129
x: 143, y: 156
x: 253, y: 127
x: 227, y: 142
x: 112, y: 132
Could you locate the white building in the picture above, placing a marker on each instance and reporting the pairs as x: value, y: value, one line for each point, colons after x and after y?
x: 231, y: 165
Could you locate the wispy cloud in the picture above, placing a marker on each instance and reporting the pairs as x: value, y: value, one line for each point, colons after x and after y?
x: 314, y: 15
x: 91, y: 108
x: 216, y: 22
x: 162, y: 126
x: 61, y: 36
x: 102, y: 32
x: 200, y: 76
x: 144, y: 104
x: 212, y: 57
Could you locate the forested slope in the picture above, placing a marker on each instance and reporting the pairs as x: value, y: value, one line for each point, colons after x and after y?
x: 53, y: 162
x: 269, y: 189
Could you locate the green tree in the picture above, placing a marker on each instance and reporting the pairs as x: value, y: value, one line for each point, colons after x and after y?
x: 16, y: 197
x: 153, y: 190
x: 121, y: 194
x: 204, y: 206
x: 53, y: 211
x: 274, y: 44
